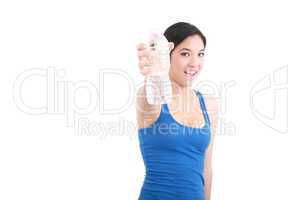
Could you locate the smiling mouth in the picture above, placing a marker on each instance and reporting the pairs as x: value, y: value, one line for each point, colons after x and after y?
x: 190, y: 74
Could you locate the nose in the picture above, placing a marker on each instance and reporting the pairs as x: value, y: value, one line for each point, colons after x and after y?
x: 195, y: 62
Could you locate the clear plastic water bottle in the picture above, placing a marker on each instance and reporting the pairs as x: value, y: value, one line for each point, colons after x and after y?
x: 158, y: 84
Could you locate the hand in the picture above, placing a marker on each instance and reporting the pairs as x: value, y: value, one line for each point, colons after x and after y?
x: 146, y: 58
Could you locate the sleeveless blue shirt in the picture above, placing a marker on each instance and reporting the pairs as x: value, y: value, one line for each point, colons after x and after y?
x: 173, y: 155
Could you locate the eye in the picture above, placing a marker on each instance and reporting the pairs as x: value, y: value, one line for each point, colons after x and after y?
x: 184, y: 54
x: 201, y: 54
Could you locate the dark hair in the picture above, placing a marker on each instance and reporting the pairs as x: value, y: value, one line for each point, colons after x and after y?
x: 179, y: 31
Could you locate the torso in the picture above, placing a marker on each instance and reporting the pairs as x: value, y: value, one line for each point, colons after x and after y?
x: 185, y: 110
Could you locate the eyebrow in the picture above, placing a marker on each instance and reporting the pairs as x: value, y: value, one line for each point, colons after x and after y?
x: 190, y: 49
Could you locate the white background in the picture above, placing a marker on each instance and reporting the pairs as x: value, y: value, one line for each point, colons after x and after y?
x: 46, y: 156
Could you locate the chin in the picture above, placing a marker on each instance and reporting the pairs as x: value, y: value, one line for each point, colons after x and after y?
x: 186, y: 83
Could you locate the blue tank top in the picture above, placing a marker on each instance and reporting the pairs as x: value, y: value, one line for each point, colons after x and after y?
x: 173, y: 155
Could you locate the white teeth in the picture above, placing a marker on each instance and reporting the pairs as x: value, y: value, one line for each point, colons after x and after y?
x: 190, y: 73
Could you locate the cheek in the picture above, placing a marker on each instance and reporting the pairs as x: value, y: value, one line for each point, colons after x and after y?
x: 201, y: 61
x: 179, y: 63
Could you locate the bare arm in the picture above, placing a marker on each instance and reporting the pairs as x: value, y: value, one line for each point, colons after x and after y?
x: 146, y: 113
x: 212, y: 108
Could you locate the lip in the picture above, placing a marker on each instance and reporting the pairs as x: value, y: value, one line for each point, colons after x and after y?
x: 190, y: 76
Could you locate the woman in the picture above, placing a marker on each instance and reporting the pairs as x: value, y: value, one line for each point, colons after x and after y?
x: 176, y: 138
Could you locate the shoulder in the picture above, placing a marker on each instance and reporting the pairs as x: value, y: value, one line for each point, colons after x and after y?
x: 212, y: 102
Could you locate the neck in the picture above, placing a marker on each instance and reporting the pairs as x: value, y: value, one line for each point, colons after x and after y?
x: 180, y: 90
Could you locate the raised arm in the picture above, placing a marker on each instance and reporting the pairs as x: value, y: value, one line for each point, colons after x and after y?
x: 146, y: 113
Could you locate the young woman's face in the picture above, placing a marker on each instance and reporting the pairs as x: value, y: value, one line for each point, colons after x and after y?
x: 187, y: 60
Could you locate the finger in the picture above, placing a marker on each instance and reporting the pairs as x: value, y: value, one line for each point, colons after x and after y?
x: 146, y: 70
x: 141, y: 46
x: 144, y: 62
x: 143, y: 53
